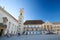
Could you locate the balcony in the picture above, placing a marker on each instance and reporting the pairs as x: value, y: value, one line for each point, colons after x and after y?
x: 2, y: 25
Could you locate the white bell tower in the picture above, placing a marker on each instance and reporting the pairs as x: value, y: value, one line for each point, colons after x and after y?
x: 21, y: 21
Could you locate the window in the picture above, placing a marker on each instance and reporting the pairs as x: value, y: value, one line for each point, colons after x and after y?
x: 11, y: 32
x: 5, y: 19
x: 32, y: 29
x: 34, y: 26
x: 27, y: 30
x: 36, y: 29
x: 9, y: 24
x: 28, y: 26
x: 40, y: 26
x: 19, y: 28
x: 15, y: 27
x: 20, y: 18
x: 19, y: 23
x: 14, y: 31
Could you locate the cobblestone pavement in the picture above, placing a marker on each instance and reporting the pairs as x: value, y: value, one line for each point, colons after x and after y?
x: 32, y: 37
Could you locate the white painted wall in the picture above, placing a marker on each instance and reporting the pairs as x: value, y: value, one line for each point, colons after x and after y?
x: 10, y: 19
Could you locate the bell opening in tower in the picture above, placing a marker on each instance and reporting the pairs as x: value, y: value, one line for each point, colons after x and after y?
x: 21, y: 14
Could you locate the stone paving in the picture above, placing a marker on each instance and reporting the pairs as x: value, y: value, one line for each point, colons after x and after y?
x: 32, y: 37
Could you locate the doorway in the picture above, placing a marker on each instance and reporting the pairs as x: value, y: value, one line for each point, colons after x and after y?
x: 1, y: 32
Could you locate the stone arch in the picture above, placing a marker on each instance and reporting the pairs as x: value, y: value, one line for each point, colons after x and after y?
x: 47, y: 26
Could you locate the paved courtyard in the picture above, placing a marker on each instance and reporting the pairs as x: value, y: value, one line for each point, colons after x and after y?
x: 32, y: 37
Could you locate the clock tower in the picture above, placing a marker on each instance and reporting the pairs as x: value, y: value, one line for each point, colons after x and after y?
x: 21, y: 21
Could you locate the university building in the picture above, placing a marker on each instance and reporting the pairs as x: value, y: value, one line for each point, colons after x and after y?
x: 41, y: 27
x: 33, y: 26
x: 10, y: 25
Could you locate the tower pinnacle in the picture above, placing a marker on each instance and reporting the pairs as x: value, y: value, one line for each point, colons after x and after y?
x: 21, y: 10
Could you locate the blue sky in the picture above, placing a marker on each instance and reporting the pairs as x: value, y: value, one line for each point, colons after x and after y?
x: 34, y: 9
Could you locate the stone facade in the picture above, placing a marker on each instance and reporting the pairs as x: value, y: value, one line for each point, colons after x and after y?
x: 44, y: 27
x: 51, y: 27
x: 8, y: 20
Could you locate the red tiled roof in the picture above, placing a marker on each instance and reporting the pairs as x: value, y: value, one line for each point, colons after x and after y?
x: 56, y: 22
x: 33, y: 22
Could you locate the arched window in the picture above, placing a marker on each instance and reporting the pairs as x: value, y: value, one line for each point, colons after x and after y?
x: 20, y: 13
x: 51, y: 27
x: 44, y: 27
x: 48, y: 27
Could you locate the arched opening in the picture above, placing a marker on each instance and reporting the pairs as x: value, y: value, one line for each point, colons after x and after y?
x: 51, y: 27
x: 1, y: 32
x: 2, y: 28
x: 44, y: 27
x: 48, y: 28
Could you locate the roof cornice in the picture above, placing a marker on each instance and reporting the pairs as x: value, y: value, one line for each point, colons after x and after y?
x: 8, y: 13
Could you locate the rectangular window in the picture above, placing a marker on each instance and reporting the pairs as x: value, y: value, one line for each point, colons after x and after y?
x: 5, y: 19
